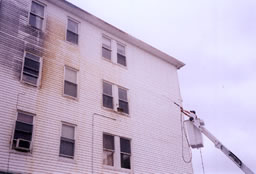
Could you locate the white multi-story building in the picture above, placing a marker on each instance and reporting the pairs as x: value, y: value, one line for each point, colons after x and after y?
x: 78, y: 95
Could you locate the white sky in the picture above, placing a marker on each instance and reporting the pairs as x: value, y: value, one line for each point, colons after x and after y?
x: 216, y: 39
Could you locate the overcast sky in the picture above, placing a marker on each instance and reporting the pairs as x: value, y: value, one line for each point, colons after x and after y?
x: 216, y: 39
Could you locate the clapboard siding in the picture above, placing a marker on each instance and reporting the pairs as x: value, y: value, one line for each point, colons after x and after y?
x: 153, y: 124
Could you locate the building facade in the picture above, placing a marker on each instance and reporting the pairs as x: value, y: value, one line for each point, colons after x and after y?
x: 78, y: 95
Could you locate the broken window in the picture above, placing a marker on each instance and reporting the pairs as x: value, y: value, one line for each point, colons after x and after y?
x: 70, y: 82
x: 108, y: 150
x: 31, y: 69
x: 23, y: 132
x: 36, y: 15
x: 106, y: 48
x: 72, y: 31
x: 67, y: 141
x: 107, y: 95
x: 125, y: 149
x: 121, y: 58
x: 123, y: 101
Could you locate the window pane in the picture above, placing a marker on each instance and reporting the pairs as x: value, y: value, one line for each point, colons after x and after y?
x: 121, y: 49
x: 106, y: 53
x: 106, y: 42
x: 108, y: 142
x: 25, y: 118
x: 35, y: 21
x: 72, y: 26
x: 107, y: 88
x: 108, y: 158
x: 30, y: 79
x: 32, y: 65
x: 70, y: 89
x: 70, y: 75
x: 67, y: 148
x: 121, y: 59
x: 123, y: 106
x: 24, y: 127
x: 68, y: 131
x: 107, y: 101
x: 72, y: 37
x: 125, y: 145
x: 122, y: 93
x: 37, y: 9
x: 33, y: 57
x: 125, y: 161
x: 22, y: 135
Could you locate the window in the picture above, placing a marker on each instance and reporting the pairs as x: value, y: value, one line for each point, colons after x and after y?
x: 107, y: 95
x: 36, y: 15
x: 72, y: 32
x: 23, y: 132
x: 125, y: 153
x: 108, y: 150
x: 70, y: 82
x: 121, y: 59
x: 116, y: 153
x: 67, y: 141
x: 123, y: 101
x: 31, y: 69
x: 106, y: 48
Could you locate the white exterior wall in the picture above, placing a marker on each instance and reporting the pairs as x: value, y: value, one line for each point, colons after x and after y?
x: 153, y: 124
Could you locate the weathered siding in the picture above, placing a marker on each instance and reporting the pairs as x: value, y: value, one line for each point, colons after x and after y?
x: 152, y: 125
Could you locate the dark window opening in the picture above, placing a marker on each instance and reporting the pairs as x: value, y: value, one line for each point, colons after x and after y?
x: 72, y: 32
x: 36, y: 15
x: 67, y: 142
x: 108, y: 150
x: 121, y: 59
x: 125, y: 153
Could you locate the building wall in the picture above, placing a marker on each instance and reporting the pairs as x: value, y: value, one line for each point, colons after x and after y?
x: 153, y: 124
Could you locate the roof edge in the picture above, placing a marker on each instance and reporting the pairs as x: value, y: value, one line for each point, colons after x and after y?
x: 116, y: 32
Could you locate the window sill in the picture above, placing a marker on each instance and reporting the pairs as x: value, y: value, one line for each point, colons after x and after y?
x: 67, y: 160
x: 13, y: 151
x: 114, y: 63
x: 114, y: 111
x: 70, y: 97
x: 113, y: 168
x: 29, y: 84
x: 71, y: 43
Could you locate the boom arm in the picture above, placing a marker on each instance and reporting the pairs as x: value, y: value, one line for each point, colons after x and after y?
x: 225, y: 150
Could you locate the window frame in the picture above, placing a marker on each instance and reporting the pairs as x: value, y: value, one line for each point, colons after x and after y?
x: 77, y: 88
x: 63, y: 156
x: 117, y: 154
x: 126, y: 153
x: 108, y: 150
x: 113, y: 98
x: 42, y: 17
x: 105, y: 47
x: 123, y: 45
x: 127, y: 101
x: 66, y: 33
x: 32, y: 136
x: 38, y: 83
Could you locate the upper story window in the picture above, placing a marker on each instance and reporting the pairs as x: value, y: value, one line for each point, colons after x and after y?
x: 67, y: 141
x: 72, y: 32
x: 121, y: 58
x: 123, y: 100
x: 111, y: 91
x: 107, y: 95
x: 31, y: 69
x: 23, y: 132
x: 70, y: 82
x: 36, y: 17
x: 106, y: 48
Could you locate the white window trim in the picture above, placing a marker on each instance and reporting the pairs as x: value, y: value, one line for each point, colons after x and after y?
x: 65, y: 95
x: 115, y: 98
x: 78, y: 30
x: 117, y: 154
x: 44, y: 17
x: 33, y: 133
x: 40, y: 70
x: 62, y: 157
x: 111, y: 47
